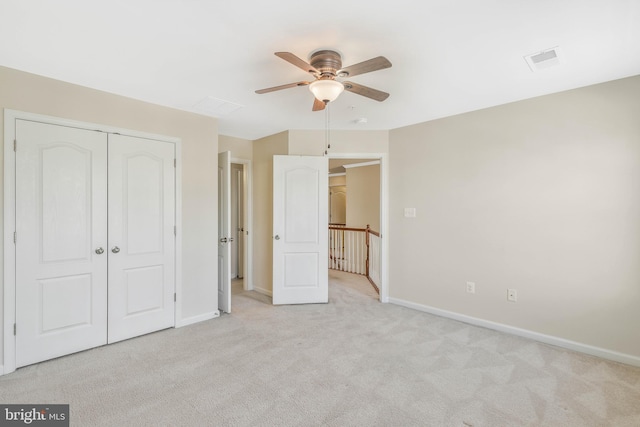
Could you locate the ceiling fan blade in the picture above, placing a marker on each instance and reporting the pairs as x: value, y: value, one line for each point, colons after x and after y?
x: 287, y: 86
x: 374, y: 64
x: 318, y: 105
x: 376, y: 94
x: 303, y: 65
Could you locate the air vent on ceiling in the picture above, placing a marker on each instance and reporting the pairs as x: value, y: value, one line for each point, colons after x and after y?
x: 216, y: 107
x: 545, y: 59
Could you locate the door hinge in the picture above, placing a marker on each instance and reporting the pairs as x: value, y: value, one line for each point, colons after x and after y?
x: 175, y: 230
x: 175, y: 163
x: 14, y: 237
x: 14, y: 329
x: 15, y: 145
x: 175, y: 297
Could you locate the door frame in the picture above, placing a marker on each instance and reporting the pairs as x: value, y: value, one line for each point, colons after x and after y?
x: 9, y: 226
x: 384, y: 213
x: 247, y: 267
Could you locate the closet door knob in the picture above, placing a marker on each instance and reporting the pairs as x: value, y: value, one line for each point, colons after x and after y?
x: 99, y: 251
x: 115, y: 249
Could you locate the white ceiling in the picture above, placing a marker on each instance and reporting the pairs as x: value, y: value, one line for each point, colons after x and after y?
x: 449, y: 56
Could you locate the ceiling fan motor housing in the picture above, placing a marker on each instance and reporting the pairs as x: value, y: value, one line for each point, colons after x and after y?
x: 326, y: 65
x: 328, y: 62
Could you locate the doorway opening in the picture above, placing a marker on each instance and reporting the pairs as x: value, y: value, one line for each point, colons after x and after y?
x: 357, y: 217
x: 239, y: 227
x: 300, y: 214
x: 235, y: 216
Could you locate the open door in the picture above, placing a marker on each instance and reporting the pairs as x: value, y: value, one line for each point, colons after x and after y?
x: 224, y: 232
x: 300, y: 249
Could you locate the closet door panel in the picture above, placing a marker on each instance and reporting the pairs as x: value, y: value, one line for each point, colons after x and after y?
x: 141, y: 236
x: 61, y: 220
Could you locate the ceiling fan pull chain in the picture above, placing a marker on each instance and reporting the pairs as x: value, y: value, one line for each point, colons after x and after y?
x: 326, y: 129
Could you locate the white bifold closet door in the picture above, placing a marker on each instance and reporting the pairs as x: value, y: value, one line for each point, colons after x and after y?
x: 141, y: 236
x: 61, y: 240
x: 94, y: 239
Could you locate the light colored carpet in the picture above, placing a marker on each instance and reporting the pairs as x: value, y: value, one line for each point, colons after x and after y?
x: 352, y: 362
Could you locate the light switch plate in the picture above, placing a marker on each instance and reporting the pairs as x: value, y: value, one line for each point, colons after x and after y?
x: 409, y: 212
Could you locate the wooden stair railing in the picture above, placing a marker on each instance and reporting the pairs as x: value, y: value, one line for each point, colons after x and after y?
x: 353, y: 249
x: 369, y: 233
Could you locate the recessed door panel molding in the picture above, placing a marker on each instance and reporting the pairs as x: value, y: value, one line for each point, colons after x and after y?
x: 301, y: 212
x: 61, y: 217
x: 65, y: 202
x: 301, y: 270
x: 145, y: 290
x: 143, y: 207
x: 141, y: 214
x: 65, y: 303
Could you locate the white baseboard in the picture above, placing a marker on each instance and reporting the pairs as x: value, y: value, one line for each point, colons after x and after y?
x: 263, y: 291
x: 547, y: 339
x: 198, y: 318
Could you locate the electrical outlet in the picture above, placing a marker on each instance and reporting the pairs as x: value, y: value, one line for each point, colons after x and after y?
x: 512, y: 295
x: 471, y: 287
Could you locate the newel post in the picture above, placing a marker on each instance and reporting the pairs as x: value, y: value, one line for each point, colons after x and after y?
x: 367, y: 243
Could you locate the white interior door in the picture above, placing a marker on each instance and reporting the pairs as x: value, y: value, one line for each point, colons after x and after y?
x: 141, y: 245
x: 61, y: 241
x: 300, y: 211
x: 224, y: 231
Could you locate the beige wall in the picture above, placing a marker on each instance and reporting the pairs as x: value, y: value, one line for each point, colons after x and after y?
x: 240, y: 148
x: 337, y: 180
x: 363, y: 197
x: 35, y: 94
x: 263, y: 151
x: 542, y: 196
x: 312, y: 142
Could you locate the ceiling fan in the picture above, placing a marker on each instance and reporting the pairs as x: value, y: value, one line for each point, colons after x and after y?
x: 326, y: 66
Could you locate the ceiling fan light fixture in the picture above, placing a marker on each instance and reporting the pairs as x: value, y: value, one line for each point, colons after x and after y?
x: 326, y: 90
